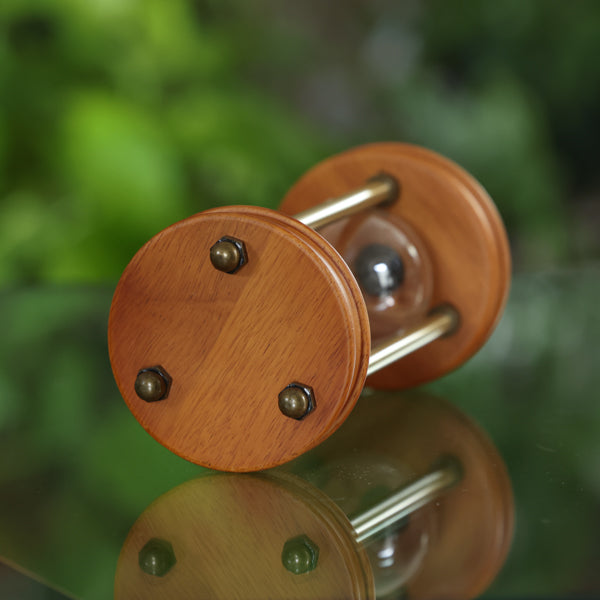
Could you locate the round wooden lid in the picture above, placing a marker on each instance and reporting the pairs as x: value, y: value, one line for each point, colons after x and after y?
x: 462, y: 232
x: 405, y: 435
x: 230, y: 343
x: 224, y: 536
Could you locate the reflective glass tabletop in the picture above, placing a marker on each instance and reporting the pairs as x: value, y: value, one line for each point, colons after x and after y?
x: 77, y: 470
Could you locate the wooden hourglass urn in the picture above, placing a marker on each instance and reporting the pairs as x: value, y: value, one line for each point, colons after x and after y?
x: 241, y: 337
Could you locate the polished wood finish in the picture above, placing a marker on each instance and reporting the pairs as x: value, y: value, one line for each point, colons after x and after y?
x: 227, y: 533
x: 232, y: 342
x: 460, y: 228
x: 393, y: 438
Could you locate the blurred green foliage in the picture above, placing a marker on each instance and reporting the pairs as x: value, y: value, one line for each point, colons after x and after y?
x: 118, y: 118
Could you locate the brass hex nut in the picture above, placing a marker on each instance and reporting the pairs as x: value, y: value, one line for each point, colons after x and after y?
x: 296, y: 400
x: 228, y: 254
x: 153, y: 384
x: 157, y: 557
x: 300, y: 555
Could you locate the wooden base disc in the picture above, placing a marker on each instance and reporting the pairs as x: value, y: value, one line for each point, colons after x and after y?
x: 408, y: 434
x: 227, y: 533
x: 232, y: 342
x: 460, y: 227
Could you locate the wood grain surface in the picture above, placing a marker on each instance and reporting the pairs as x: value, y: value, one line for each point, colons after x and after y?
x: 390, y: 436
x: 228, y: 532
x: 232, y: 342
x: 460, y: 227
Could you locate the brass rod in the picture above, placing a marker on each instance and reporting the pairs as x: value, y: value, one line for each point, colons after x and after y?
x: 441, y: 322
x: 377, y: 190
x: 406, y: 500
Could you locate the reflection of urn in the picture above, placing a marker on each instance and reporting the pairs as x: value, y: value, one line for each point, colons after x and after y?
x: 413, y: 499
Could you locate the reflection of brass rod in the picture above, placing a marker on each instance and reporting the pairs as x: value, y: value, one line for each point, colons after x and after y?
x: 442, y: 321
x: 378, y: 189
x: 406, y: 500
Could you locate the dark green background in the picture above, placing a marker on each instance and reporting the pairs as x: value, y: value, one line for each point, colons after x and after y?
x: 119, y: 117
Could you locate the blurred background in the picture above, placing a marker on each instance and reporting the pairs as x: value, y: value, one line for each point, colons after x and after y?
x: 120, y: 117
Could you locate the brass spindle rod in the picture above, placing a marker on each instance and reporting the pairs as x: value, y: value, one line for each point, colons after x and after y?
x: 380, y: 189
x: 439, y: 323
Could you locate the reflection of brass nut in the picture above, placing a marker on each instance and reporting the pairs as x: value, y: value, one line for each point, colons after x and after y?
x: 296, y: 400
x: 300, y: 555
x: 228, y: 255
x: 153, y: 384
x: 157, y: 557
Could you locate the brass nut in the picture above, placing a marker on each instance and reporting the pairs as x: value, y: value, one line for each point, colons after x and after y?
x: 228, y: 255
x: 153, y: 384
x: 157, y: 557
x: 300, y: 555
x: 296, y: 400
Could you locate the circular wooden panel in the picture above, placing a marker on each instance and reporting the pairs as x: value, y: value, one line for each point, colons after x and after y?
x: 227, y: 533
x: 232, y: 342
x: 460, y: 228
x: 407, y: 434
